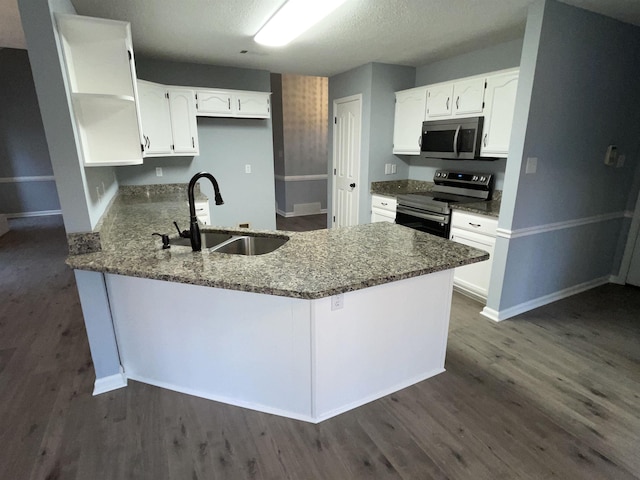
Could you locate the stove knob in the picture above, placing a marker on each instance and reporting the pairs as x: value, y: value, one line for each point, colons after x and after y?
x: 482, y: 179
x: 475, y: 178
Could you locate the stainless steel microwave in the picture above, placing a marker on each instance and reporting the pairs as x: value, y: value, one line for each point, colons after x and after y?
x: 456, y: 138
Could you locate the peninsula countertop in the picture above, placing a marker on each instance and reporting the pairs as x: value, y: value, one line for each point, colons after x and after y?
x: 310, y: 265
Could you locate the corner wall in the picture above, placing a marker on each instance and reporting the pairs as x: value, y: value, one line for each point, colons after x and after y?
x: 560, y: 228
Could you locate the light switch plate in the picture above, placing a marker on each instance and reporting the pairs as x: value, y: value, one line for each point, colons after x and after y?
x: 158, y: 171
x: 532, y: 165
x: 247, y: 168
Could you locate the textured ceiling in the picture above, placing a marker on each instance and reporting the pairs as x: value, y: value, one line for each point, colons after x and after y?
x: 405, y: 32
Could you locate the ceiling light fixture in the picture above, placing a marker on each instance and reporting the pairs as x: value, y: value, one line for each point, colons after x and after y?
x: 293, y: 18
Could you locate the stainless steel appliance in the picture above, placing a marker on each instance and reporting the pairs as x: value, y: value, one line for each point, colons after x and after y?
x: 456, y: 138
x: 431, y: 211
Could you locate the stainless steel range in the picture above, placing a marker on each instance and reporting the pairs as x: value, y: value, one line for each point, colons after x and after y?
x: 431, y: 211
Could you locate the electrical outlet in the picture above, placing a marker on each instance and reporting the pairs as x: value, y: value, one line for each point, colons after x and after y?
x: 532, y: 165
x: 394, y: 168
x: 621, y: 159
x: 337, y: 301
x: 243, y: 225
x: 247, y: 168
x: 158, y: 171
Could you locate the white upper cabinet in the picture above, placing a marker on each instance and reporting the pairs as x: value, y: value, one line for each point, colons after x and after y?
x: 168, y: 120
x: 98, y: 56
x: 491, y: 96
x: 214, y: 103
x: 439, y: 101
x: 500, y: 101
x: 182, y: 105
x: 156, y: 118
x: 253, y: 104
x: 233, y: 103
x: 468, y: 96
x: 410, y: 113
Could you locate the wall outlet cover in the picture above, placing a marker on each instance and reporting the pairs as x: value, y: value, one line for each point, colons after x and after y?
x: 158, y: 171
x: 532, y: 165
x: 337, y: 301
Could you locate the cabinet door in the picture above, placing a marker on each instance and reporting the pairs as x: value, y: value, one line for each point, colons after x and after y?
x: 407, y: 127
x: 252, y: 104
x: 214, y: 103
x: 468, y: 96
x: 439, y: 101
x: 500, y: 102
x: 378, y: 215
x: 182, y: 104
x: 474, y: 278
x: 156, y: 119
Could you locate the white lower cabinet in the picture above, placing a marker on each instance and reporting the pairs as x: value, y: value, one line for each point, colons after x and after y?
x: 477, y: 231
x: 383, y: 209
x: 202, y: 212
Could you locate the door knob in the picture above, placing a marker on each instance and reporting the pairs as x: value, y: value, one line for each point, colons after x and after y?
x: 352, y: 185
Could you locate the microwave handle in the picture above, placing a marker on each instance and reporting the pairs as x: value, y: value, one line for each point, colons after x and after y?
x: 455, y: 141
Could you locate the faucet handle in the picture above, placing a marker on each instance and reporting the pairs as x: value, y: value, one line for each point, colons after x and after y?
x: 183, y: 233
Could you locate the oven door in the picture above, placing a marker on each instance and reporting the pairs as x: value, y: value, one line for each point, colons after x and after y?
x: 433, y: 223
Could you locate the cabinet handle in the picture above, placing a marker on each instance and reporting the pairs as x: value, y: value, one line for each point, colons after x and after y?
x: 239, y: 106
x: 484, y: 140
x: 458, y: 103
x: 447, y: 103
x: 193, y: 143
x: 420, y: 141
x: 384, y: 203
x: 229, y: 102
x: 476, y: 225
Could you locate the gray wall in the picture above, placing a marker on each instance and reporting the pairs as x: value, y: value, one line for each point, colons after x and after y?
x: 377, y: 84
x: 24, y: 155
x: 490, y: 59
x: 485, y: 60
x: 226, y: 146
x: 579, y: 71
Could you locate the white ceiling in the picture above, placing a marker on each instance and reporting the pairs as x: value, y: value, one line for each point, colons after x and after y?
x: 405, y: 32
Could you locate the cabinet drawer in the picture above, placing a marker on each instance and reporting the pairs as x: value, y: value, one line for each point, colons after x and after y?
x: 384, y: 203
x: 474, y: 223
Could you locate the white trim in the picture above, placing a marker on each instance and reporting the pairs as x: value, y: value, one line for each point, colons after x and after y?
x: 302, y: 178
x: 282, y: 213
x: 40, y: 178
x: 499, y: 315
x: 40, y: 213
x: 112, y: 382
x: 550, y: 227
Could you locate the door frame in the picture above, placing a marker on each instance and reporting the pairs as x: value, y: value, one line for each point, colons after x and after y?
x: 336, y: 102
x: 634, y: 231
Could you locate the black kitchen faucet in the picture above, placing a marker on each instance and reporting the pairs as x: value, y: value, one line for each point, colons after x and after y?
x: 194, y: 228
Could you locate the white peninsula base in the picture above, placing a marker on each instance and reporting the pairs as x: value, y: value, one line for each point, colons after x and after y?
x: 290, y: 357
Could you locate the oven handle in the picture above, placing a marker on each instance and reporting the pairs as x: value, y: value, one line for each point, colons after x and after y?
x: 421, y: 214
x: 455, y: 141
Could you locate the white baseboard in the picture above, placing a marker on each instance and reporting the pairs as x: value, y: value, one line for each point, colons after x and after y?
x: 41, y: 213
x: 294, y: 214
x: 112, y: 382
x: 498, y: 316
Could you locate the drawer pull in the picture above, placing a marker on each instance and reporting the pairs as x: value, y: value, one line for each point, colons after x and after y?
x: 384, y: 203
x: 476, y: 225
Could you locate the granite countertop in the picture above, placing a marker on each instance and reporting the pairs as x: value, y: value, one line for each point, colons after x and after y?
x: 310, y: 265
x: 393, y: 188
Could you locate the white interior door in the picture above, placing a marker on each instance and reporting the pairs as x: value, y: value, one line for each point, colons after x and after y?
x: 346, y: 160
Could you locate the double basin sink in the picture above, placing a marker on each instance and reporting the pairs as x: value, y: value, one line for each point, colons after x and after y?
x: 250, y: 244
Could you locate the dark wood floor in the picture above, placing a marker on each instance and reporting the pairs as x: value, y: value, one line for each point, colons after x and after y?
x: 551, y: 394
x: 302, y: 223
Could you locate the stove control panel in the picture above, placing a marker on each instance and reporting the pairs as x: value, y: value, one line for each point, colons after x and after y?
x: 446, y: 177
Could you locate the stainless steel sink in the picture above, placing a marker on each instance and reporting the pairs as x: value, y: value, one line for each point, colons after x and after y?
x: 209, y: 239
x: 250, y: 245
